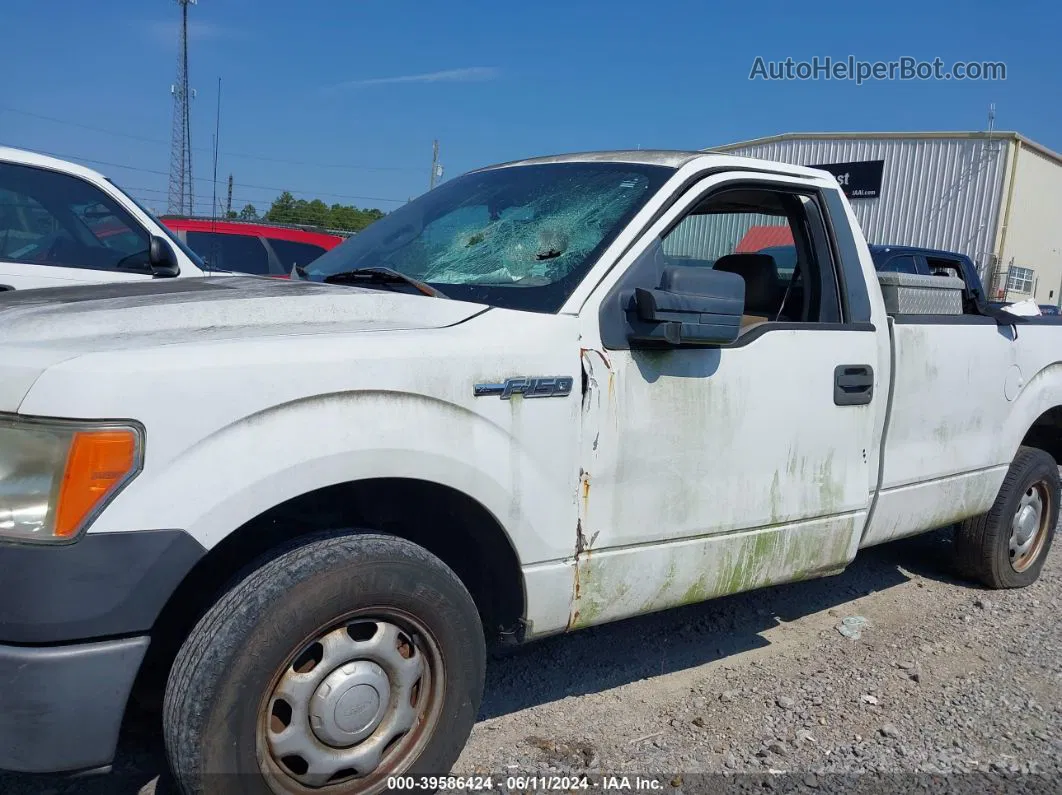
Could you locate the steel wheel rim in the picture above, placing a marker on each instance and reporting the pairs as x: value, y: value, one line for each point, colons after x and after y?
x: 329, y: 723
x: 1028, y: 527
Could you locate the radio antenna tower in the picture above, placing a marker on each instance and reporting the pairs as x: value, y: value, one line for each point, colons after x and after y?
x: 181, y: 197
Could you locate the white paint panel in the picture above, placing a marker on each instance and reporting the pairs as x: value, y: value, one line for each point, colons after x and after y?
x: 616, y: 584
x: 948, y: 400
x: 912, y: 509
x: 690, y: 442
x: 235, y: 427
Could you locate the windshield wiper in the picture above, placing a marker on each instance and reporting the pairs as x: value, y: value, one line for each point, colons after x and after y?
x: 383, y: 275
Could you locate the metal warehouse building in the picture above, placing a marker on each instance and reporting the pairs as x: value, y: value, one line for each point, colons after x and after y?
x: 994, y: 196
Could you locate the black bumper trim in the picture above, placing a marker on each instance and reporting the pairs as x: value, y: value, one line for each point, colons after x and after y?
x: 104, y: 585
x: 61, y: 707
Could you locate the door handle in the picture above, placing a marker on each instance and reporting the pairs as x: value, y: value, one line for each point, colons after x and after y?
x: 853, y: 384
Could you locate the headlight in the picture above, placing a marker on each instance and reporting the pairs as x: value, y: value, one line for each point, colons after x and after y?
x: 56, y: 476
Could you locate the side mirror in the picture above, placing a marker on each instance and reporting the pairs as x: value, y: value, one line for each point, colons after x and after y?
x: 692, y: 306
x: 161, y: 258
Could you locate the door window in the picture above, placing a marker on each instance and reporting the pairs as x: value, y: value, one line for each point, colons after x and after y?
x: 774, y: 240
x: 48, y: 218
x: 944, y: 266
x: 240, y: 253
x: 291, y: 253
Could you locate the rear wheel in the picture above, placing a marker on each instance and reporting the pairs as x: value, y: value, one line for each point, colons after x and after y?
x: 328, y: 669
x: 1007, y: 546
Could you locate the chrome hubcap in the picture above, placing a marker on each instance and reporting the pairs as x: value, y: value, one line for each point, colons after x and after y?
x: 347, y: 704
x: 1027, y: 529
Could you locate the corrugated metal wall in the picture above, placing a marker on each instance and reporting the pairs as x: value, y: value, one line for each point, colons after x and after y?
x: 938, y: 192
x: 712, y: 236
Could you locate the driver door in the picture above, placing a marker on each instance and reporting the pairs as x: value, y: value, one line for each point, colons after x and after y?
x: 709, y: 470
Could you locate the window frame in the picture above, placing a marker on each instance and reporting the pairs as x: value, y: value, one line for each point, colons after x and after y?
x: 611, y: 311
x: 803, y: 218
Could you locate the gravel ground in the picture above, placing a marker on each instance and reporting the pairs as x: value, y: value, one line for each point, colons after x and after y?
x: 949, y: 688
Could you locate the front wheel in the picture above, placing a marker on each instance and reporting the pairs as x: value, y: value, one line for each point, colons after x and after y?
x: 331, y: 668
x: 1007, y: 546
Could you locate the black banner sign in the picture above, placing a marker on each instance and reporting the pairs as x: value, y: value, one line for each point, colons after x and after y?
x: 860, y: 180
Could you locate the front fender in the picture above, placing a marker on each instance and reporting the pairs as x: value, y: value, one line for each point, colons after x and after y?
x: 265, y: 459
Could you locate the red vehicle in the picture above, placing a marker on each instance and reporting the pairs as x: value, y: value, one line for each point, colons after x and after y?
x: 247, y: 247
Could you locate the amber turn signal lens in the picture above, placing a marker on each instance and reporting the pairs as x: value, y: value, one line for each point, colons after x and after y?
x: 97, y: 462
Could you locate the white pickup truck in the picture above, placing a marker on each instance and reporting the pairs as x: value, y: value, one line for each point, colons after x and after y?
x: 545, y: 395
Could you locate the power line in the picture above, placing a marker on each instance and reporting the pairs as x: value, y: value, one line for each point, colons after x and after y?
x: 244, y: 155
x: 205, y: 200
x: 245, y: 184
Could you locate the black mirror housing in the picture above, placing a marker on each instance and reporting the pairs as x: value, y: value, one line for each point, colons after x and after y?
x: 161, y: 258
x: 692, y: 306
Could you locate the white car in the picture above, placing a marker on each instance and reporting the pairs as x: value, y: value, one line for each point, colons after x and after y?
x: 64, y: 224
x: 543, y: 396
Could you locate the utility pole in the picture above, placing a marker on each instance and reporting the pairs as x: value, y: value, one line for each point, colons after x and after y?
x: 436, y: 167
x: 217, y: 140
x: 992, y: 142
x: 228, y: 202
x: 181, y: 195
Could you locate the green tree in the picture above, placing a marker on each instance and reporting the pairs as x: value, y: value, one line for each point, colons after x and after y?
x: 342, y: 217
x: 283, y: 209
x: 286, y: 209
x: 351, y: 218
x: 248, y: 213
x: 314, y: 212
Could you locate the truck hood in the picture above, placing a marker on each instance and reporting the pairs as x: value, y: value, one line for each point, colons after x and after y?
x: 40, y: 328
x: 125, y: 315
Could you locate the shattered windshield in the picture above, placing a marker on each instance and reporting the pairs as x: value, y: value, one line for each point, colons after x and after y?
x: 521, y: 237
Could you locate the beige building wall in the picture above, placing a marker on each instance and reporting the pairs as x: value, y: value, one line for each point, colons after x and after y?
x: 1032, y: 231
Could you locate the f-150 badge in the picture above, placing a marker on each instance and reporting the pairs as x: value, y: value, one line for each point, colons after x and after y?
x: 538, y: 387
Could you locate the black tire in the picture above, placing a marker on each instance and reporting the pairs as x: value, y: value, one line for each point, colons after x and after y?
x: 226, y: 669
x: 982, y: 543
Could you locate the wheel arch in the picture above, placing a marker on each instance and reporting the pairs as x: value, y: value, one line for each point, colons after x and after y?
x: 1035, y: 418
x: 1045, y: 433
x: 453, y: 526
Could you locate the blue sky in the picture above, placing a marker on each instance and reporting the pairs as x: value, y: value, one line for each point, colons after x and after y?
x: 341, y: 100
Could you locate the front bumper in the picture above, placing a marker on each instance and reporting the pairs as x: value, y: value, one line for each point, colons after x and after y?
x: 102, y: 586
x: 74, y: 623
x: 61, y: 706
